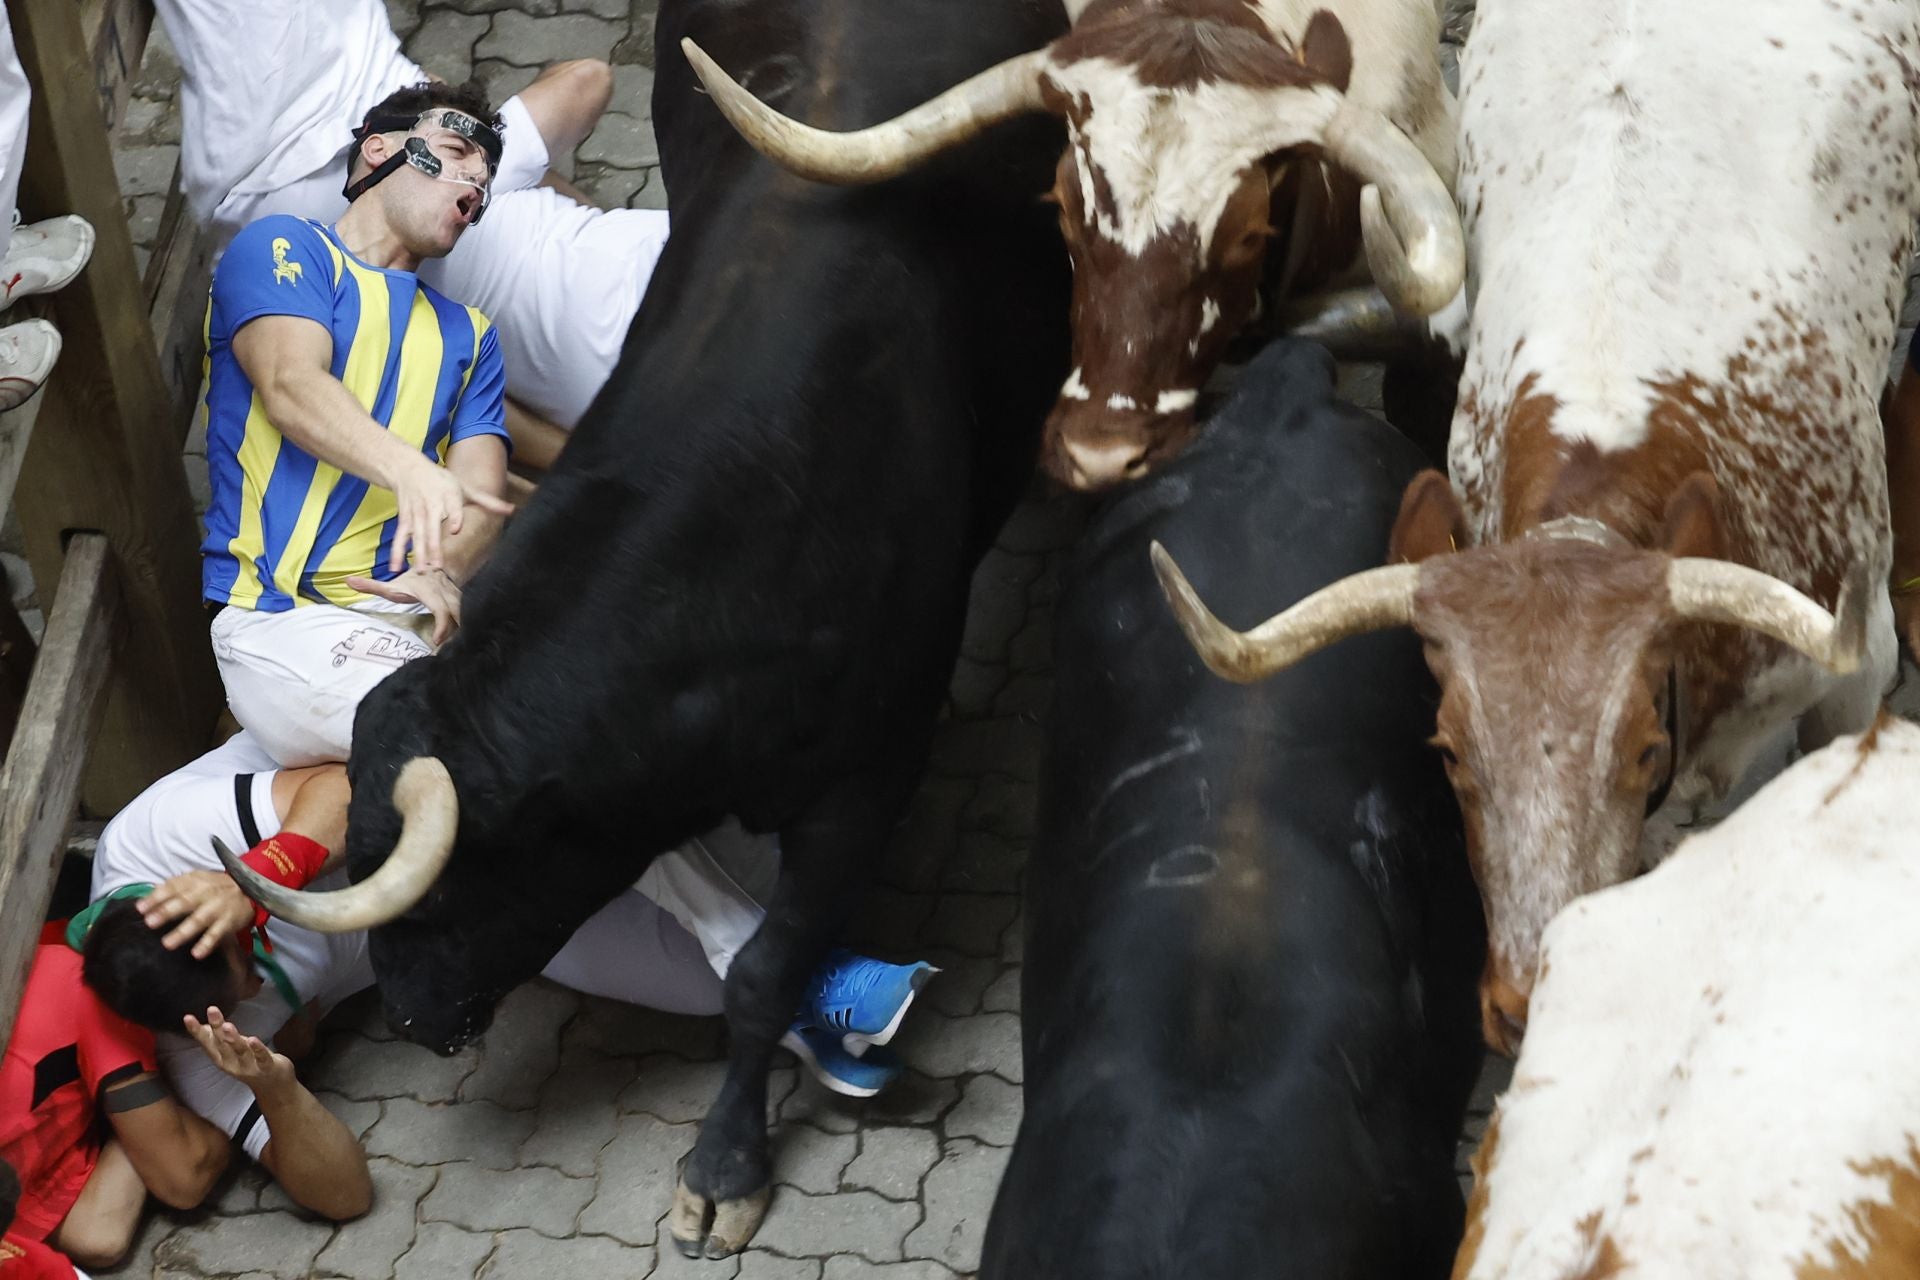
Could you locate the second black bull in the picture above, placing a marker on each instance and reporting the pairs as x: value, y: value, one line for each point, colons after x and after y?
x: 741, y: 589
x: 1252, y: 938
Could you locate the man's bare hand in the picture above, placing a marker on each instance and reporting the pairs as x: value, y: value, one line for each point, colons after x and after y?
x: 432, y: 502
x: 247, y: 1059
x: 208, y: 906
x: 434, y: 588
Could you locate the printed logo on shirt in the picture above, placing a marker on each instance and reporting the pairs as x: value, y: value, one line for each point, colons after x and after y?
x: 284, y: 272
x: 375, y: 644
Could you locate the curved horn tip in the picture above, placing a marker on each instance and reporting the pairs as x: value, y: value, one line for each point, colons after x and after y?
x: 1221, y: 648
x: 1417, y: 288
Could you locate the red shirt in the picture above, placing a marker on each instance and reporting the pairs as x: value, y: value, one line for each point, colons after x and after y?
x: 22, y: 1259
x: 67, y: 1049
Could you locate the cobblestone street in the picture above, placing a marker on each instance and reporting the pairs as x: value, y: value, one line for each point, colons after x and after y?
x: 550, y: 1149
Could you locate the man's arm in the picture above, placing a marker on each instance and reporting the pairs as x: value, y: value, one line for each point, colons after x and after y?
x: 536, y: 442
x: 315, y: 1159
x: 566, y: 101
x: 178, y: 1155
x: 288, y: 359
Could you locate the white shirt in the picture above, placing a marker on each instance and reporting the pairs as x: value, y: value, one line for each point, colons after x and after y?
x: 166, y: 831
x: 561, y: 280
x: 273, y: 89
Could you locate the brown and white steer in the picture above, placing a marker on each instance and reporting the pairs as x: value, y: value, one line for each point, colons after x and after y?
x: 1688, y: 230
x: 1196, y: 129
x: 1719, y: 1078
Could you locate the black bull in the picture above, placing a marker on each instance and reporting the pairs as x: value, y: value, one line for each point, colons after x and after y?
x: 741, y: 589
x: 1250, y: 1025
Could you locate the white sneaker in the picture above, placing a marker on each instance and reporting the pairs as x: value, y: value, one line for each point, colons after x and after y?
x: 27, y: 353
x: 44, y: 256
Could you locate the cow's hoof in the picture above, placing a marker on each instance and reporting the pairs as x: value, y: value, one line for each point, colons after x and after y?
x: 702, y: 1228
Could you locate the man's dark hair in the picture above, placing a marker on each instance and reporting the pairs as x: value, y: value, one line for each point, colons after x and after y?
x: 470, y: 97
x: 139, y: 979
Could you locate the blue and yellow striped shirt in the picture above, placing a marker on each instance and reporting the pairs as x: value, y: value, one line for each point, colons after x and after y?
x: 284, y: 528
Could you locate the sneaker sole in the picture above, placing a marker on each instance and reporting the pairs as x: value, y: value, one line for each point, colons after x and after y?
x: 857, y: 1044
x: 798, y: 1048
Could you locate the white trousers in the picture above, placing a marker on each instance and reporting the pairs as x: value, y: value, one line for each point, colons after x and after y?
x: 294, y: 681
x: 14, y: 97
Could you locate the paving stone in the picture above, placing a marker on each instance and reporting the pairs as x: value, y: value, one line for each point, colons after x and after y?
x: 912, y: 1099
x: 1032, y: 649
x: 1004, y: 995
x: 442, y: 1252
x: 521, y: 1049
x: 800, y: 1225
x: 847, y: 1268
x: 673, y: 1089
x: 366, y: 1069
x: 989, y: 1110
x: 357, y: 1115
x: 974, y: 687
x: 577, y: 1115
x: 522, y: 1254
x: 145, y: 171
x: 503, y: 79
x: 614, y: 10
x: 373, y: 1244
x: 892, y: 1161
x: 985, y: 863
x: 159, y: 67
x: 997, y: 605
x: 959, y: 1196
x: 1025, y: 695
x: 404, y: 15
x: 971, y: 923
x: 974, y: 748
x: 638, y: 1170
x: 489, y: 1200
x: 1003, y: 806
x: 274, y: 1244
x: 957, y: 988
x: 758, y: 1264
x: 148, y: 120
x: 534, y: 42
x: 820, y: 1107
x: 417, y: 1133
x: 674, y: 1266
x: 632, y: 92
x: 628, y: 1031
x: 623, y: 141
x: 637, y: 48
x: 927, y: 838
x: 537, y: 8
x: 444, y: 42
x: 1013, y: 943
x: 651, y: 194
x: 811, y: 1159
x: 941, y: 1046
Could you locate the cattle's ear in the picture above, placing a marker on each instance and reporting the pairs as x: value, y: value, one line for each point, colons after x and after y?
x: 1325, y: 50
x: 1431, y: 522
x: 1693, y: 519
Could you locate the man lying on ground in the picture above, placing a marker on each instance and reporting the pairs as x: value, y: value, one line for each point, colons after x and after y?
x: 171, y: 943
x: 87, y: 1129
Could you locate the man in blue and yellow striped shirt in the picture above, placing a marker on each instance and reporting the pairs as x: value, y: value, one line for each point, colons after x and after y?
x: 356, y: 437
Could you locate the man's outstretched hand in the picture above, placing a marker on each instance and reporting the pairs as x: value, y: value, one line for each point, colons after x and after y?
x: 434, y: 588
x: 247, y: 1059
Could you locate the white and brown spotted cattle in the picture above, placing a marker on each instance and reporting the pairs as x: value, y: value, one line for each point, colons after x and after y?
x: 1688, y: 229
x: 1195, y: 129
x: 1718, y: 1081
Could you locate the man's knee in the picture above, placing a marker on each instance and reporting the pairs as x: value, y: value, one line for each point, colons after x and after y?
x: 99, y: 1239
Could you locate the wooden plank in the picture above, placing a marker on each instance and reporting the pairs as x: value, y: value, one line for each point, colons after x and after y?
x: 104, y: 454
x: 40, y: 780
x: 115, y: 33
x: 178, y: 277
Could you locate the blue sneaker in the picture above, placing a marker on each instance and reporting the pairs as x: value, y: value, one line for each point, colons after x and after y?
x: 860, y: 999
x: 837, y: 1069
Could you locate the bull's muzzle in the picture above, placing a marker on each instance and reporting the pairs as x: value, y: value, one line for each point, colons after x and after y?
x: 1090, y: 447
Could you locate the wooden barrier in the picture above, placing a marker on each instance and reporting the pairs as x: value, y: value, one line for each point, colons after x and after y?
x: 41, y: 777
x: 104, y: 454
